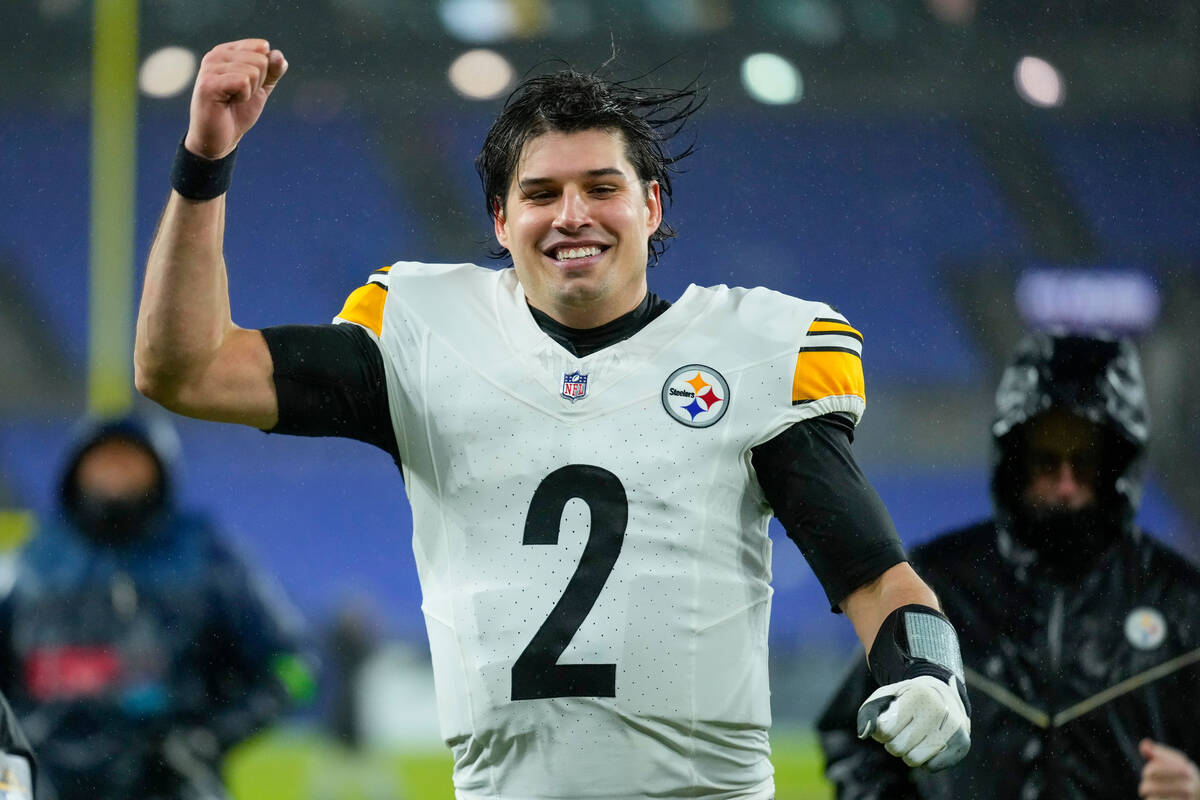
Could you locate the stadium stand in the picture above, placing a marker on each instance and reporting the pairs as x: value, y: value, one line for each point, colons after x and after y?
x: 323, y: 216
x: 1136, y: 180
x: 44, y: 219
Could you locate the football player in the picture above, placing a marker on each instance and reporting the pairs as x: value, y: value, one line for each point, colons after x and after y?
x: 591, y: 468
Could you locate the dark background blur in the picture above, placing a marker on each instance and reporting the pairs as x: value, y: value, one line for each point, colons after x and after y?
x: 914, y: 171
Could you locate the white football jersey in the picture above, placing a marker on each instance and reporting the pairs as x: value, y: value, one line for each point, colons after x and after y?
x: 589, y: 534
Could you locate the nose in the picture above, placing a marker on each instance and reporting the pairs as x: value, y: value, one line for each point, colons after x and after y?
x: 572, y: 210
x: 1067, y: 486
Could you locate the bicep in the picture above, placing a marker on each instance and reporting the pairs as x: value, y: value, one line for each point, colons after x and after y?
x: 235, y: 386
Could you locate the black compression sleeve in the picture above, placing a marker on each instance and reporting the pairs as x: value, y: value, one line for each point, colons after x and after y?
x: 827, y: 506
x: 329, y: 381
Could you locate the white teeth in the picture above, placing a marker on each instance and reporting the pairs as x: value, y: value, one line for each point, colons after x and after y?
x: 566, y: 254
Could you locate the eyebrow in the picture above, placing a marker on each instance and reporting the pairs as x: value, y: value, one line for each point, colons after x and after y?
x: 526, y: 183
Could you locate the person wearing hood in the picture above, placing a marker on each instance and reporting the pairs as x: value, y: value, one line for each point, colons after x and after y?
x: 137, y: 645
x: 1080, y: 634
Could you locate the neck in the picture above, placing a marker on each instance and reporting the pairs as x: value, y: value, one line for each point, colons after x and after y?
x: 582, y: 342
x: 587, y: 317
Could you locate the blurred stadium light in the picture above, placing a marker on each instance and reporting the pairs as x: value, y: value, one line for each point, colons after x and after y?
x: 480, y: 74
x: 479, y: 21
x: 947, y: 54
x: 817, y: 22
x: 691, y: 16
x: 167, y: 72
x: 954, y: 12
x: 1038, y: 82
x: 772, y: 79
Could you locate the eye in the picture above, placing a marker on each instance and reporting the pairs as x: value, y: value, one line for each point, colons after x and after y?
x: 1044, y: 463
x: 1086, y: 462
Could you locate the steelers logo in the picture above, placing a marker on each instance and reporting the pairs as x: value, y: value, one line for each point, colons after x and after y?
x: 696, y: 396
x: 1145, y: 628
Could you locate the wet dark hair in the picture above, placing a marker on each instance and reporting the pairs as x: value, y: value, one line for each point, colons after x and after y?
x: 567, y: 101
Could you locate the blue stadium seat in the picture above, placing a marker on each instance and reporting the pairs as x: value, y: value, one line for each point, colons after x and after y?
x: 310, y: 215
x: 1136, y: 180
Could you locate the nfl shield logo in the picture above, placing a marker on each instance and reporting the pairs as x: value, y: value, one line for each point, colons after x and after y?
x: 574, y: 385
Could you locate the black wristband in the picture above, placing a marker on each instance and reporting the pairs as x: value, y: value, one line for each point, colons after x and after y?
x: 915, y: 640
x: 198, y: 178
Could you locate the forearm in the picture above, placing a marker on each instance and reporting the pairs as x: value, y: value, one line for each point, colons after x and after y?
x: 921, y: 710
x: 870, y: 604
x: 184, y: 316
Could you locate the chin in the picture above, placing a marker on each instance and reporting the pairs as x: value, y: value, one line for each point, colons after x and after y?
x: 581, y: 293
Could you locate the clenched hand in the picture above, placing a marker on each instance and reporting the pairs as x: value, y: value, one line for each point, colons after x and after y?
x: 922, y: 720
x: 232, y: 86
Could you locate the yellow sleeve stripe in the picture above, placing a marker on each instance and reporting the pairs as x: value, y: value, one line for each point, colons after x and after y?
x: 365, y: 306
x: 827, y: 325
x: 825, y: 372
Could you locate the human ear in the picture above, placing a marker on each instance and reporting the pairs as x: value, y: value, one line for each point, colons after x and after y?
x: 499, y: 222
x: 654, y: 214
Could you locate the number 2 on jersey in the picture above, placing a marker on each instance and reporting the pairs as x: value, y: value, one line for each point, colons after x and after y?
x: 536, y: 674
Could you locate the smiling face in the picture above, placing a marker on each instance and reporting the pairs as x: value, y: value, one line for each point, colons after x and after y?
x: 577, y: 221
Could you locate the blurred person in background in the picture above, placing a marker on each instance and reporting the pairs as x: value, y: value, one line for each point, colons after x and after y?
x: 591, y: 468
x: 350, y: 642
x: 138, y: 646
x: 1080, y: 632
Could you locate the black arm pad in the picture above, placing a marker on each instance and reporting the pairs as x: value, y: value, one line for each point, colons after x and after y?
x: 825, y: 503
x: 915, y: 640
x: 330, y: 381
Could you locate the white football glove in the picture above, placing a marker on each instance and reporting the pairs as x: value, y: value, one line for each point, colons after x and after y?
x: 921, y: 720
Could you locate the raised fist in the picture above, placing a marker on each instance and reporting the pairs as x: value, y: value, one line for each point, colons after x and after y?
x: 231, y: 89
